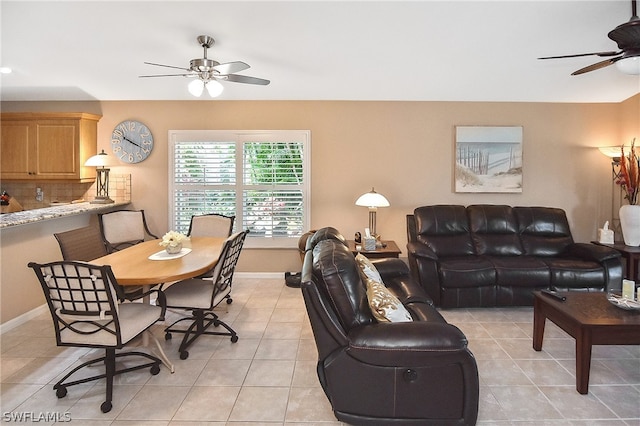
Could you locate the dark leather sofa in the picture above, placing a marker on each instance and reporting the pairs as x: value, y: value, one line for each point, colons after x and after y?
x: 496, y: 255
x: 411, y: 373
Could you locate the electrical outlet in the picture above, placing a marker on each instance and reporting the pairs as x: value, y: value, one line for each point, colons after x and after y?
x: 39, y: 195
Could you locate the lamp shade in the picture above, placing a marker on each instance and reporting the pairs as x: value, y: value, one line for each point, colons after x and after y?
x: 196, y: 87
x: 614, y: 151
x: 630, y: 65
x: 214, y: 88
x: 372, y: 199
x: 101, y: 160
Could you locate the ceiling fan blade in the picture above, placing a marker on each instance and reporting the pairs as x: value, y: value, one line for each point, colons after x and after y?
x: 597, y: 66
x: 231, y: 67
x: 245, y: 79
x: 601, y: 54
x: 168, y: 75
x: 167, y: 66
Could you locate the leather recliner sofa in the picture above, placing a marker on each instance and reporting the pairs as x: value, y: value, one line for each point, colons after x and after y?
x: 384, y: 373
x: 496, y: 255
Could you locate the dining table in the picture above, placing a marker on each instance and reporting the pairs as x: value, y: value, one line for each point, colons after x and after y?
x: 147, y: 264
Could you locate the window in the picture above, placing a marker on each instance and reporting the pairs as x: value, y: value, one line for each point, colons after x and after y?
x: 261, y: 177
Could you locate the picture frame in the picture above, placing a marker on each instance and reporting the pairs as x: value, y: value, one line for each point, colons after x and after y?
x: 488, y: 159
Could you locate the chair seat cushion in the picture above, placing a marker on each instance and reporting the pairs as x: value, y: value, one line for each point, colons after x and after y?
x: 134, y: 319
x: 193, y: 294
x: 467, y: 271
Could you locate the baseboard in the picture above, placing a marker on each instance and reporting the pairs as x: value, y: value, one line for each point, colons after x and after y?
x: 17, y: 321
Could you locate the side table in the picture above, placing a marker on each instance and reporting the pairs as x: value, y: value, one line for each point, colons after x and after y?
x: 630, y: 254
x: 391, y: 250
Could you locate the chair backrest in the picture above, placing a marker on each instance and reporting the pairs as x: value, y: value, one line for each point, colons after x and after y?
x: 81, y: 244
x: 82, y: 299
x: 123, y: 228
x: 224, y: 269
x: 211, y: 225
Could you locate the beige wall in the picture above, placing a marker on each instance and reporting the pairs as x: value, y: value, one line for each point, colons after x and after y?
x: 403, y: 149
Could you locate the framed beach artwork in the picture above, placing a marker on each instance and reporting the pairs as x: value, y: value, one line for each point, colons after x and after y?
x: 488, y: 159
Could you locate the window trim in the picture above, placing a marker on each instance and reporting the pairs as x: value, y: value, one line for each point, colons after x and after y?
x: 241, y: 136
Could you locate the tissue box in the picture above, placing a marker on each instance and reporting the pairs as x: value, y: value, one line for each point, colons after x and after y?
x: 369, y: 244
x: 605, y: 236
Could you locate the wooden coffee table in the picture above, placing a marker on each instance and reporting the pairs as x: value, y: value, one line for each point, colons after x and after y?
x: 591, y: 320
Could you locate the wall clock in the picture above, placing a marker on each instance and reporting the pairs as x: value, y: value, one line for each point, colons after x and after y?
x: 131, y: 141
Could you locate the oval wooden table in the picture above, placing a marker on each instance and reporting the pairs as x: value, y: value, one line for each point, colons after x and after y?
x: 133, y: 267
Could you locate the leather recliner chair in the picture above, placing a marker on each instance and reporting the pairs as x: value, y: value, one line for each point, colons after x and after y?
x: 412, y: 373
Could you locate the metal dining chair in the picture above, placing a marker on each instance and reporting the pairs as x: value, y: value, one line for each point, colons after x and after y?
x: 211, y: 225
x: 83, y: 302
x: 123, y: 228
x: 201, y: 296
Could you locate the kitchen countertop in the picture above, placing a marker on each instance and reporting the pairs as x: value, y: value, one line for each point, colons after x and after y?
x: 30, y: 216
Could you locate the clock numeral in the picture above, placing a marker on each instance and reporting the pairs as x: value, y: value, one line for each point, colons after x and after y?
x: 115, y: 141
x: 132, y: 126
x: 118, y: 133
x: 138, y: 156
x: 146, y: 142
x: 117, y: 149
x: 146, y: 151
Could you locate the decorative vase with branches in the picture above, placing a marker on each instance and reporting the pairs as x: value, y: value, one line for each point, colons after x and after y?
x: 629, y: 181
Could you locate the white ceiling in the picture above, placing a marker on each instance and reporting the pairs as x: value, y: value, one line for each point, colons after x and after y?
x: 328, y: 50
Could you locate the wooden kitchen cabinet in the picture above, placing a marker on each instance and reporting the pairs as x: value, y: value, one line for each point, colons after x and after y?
x: 48, y: 146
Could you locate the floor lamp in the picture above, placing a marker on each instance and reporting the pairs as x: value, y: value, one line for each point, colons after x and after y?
x: 614, y: 153
x: 101, y: 162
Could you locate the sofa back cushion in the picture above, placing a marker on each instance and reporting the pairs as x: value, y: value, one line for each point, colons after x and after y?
x: 445, y: 229
x: 494, y: 230
x: 544, y: 231
x: 338, y: 279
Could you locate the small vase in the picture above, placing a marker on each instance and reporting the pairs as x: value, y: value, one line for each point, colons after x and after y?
x: 630, y: 224
x: 174, y: 249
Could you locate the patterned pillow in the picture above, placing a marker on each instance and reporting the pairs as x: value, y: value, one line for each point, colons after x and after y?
x: 385, y: 307
x: 368, y: 268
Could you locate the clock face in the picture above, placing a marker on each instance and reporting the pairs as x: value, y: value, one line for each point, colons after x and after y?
x: 131, y: 141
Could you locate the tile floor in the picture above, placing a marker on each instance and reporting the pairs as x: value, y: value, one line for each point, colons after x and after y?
x: 268, y: 377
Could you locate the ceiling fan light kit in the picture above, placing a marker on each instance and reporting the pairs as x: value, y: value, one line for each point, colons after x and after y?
x: 627, y: 37
x: 208, y: 73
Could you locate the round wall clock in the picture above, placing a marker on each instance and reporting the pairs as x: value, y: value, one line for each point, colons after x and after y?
x: 131, y: 141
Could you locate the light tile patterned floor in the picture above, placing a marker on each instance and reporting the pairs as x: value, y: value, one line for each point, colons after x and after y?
x: 268, y: 377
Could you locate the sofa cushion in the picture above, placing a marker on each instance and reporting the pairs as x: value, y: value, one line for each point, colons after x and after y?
x: 367, y: 268
x: 521, y: 271
x: 384, y: 306
x: 466, y: 271
x: 569, y: 273
x: 445, y: 229
x: 494, y: 230
x: 544, y: 231
x: 338, y: 277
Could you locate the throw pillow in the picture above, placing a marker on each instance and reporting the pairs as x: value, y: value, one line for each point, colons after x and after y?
x: 368, y: 268
x: 384, y: 306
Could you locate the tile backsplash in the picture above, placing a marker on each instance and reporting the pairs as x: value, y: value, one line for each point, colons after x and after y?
x: 25, y: 192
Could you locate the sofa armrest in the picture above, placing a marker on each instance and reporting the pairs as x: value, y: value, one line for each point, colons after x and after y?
x: 390, y: 267
x: 592, y: 252
x: 404, y: 344
x: 421, y: 250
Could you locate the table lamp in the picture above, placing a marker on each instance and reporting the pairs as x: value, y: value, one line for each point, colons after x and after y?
x: 101, y: 161
x: 372, y: 200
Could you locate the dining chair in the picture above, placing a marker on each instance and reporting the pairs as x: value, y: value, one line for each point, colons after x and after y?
x: 86, y: 244
x: 123, y: 228
x: 83, y: 302
x: 211, y: 225
x: 201, y: 296
x: 83, y: 244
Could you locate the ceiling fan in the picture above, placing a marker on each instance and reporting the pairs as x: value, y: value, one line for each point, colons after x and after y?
x: 208, y: 73
x: 627, y: 59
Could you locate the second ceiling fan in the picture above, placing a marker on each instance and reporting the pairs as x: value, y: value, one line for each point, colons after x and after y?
x: 627, y: 37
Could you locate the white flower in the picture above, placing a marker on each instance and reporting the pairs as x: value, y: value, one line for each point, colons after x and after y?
x: 172, y: 239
